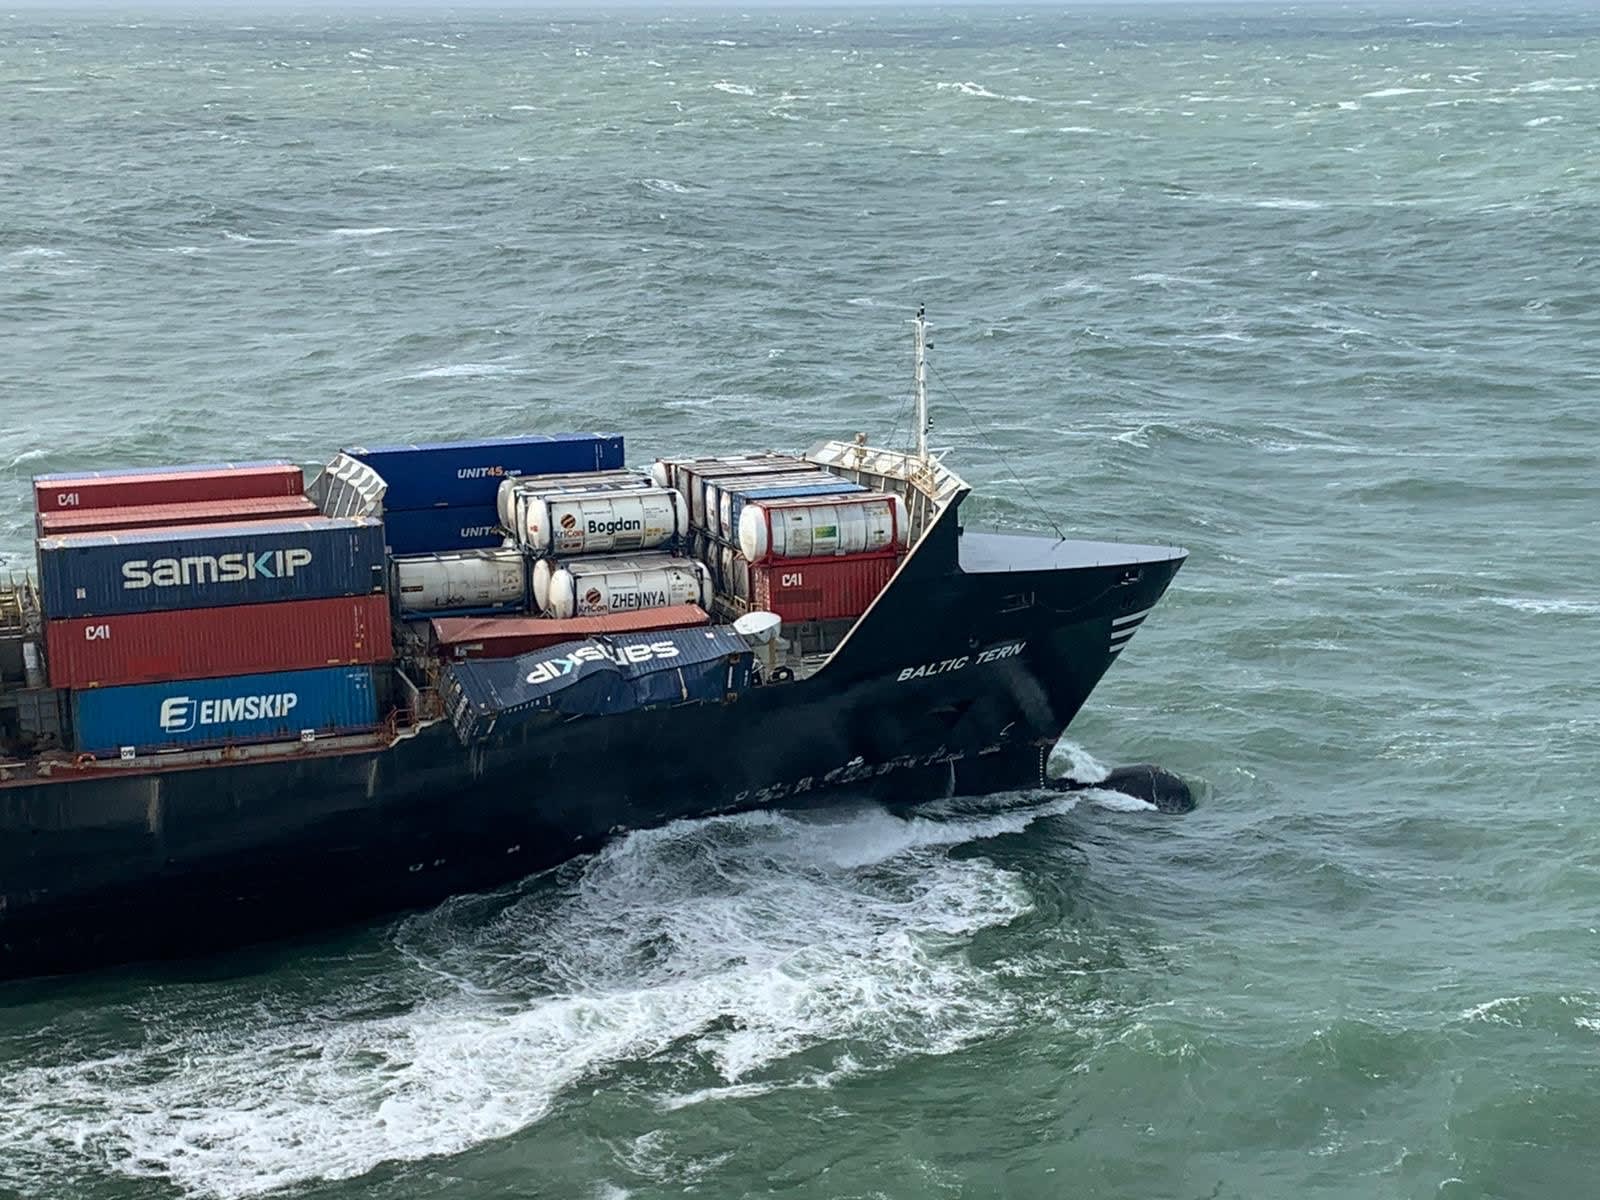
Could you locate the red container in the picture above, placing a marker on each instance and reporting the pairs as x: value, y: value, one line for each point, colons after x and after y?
x: 165, y: 485
x: 167, y: 516
x: 503, y: 637
x: 820, y: 589
x: 202, y: 643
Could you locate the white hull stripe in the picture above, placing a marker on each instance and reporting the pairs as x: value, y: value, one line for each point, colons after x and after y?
x: 1130, y: 618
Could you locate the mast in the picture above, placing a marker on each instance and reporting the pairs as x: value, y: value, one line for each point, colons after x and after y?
x: 921, y: 334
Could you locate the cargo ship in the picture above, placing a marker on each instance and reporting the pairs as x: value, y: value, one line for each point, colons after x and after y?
x: 235, y: 705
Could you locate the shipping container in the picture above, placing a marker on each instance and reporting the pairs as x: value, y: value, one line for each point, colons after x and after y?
x: 731, y: 498
x: 818, y: 589
x: 602, y: 522
x: 675, y: 472
x: 279, y: 706
x: 591, y: 588
x: 513, y: 494
x: 815, y: 528
x: 469, y: 474
x: 175, y: 516
x: 442, y: 530
x: 210, y: 566
x: 187, y: 484
x: 598, y: 676
x: 693, y: 482
x: 200, y: 643
x: 474, y: 581
x: 505, y: 637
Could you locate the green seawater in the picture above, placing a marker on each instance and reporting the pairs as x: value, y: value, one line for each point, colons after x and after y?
x: 1312, y: 291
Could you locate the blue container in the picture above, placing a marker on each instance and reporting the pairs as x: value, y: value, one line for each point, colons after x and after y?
x: 207, y: 566
x: 440, y: 530
x: 468, y: 474
x: 242, y: 708
x: 601, y: 675
x: 740, y: 496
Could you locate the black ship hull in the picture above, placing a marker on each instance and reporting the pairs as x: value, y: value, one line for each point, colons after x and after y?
x: 960, y: 677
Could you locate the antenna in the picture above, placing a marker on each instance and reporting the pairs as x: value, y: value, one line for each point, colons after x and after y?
x: 921, y: 334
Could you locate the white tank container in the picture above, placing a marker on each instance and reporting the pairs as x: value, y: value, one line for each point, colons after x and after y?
x: 468, y: 579
x: 510, y: 497
x: 602, y: 522
x: 543, y: 571
x: 719, y: 496
x: 735, y: 572
x: 595, y: 587
x: 813, y: 529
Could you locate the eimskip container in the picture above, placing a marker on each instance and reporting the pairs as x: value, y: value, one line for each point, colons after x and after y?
x: 442, y: 530
x: 469, y: 474
x: 239, y: 708
x: 209, y: 566
x: 201, y: 643
x: 186, y: 484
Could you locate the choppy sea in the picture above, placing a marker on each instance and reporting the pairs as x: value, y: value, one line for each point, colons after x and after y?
x: 1312, y: 290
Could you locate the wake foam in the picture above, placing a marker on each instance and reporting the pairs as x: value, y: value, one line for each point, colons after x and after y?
x: 722, y: 950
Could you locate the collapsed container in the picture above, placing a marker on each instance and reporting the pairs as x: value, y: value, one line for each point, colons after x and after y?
x: 599, y: 676
x: 506, y: 637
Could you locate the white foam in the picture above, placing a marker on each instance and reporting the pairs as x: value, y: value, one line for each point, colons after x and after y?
x: 460, y: 371
x: 733, y: 89
x: 728, y: 946
x: 1079, y: 764
x: 1545, y: 607
x: 362, y: 231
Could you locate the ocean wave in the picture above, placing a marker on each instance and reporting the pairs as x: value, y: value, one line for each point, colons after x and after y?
x: 727, y: 947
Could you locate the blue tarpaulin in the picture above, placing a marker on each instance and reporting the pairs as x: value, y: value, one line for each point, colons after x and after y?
x: 596, y: 676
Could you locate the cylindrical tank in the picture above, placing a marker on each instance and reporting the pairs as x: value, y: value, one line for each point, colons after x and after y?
x: 543, y: 571
x: 510, y: 498
x: 600, y: 522
x: 735, y: 572
x: 468, y: 579
x: 601, y: 586
x: 693, y: 481
x: 719, y: 496
x: 830, y: 526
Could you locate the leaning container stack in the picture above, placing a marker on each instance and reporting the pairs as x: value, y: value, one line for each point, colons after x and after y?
x: 446, y: 536
x: 206, y: 627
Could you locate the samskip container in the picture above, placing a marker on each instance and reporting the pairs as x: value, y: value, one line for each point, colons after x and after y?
x: 209, y: 566
x: 187, y: 484
x: 171, y: 516
x: 200, y: 643
x: 442, y: 530
x: 505, y: 637
x: 470, y: 473
x: 469, y: 580
x: 818, y: 589
x: 599, y: 676
x: 238, y: 708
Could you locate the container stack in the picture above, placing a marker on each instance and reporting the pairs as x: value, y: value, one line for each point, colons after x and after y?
x: 783, y: 535
x: 194, y: 606
x: 440, y: 497
x: 607, y: 548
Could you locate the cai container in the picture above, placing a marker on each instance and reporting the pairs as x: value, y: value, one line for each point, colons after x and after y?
x: 187, y: 484
x: 276, y: 706
x: 202, y: 643
x: 469, y: 474
x: 170, y: 516
x: 506, y: 637
x: 818, y: 589
x: 210, y: 566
